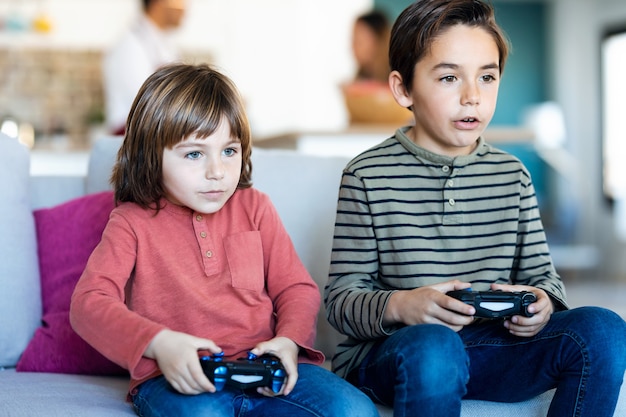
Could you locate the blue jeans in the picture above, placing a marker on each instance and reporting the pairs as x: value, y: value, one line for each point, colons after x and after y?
x: 426, y: 369
x: 318, y: 392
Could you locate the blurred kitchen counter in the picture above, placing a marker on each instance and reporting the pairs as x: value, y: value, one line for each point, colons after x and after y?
x: 359, y: 137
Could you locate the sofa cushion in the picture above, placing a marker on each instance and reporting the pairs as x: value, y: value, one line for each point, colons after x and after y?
x: 306, y: 203
x: 66, y: 234
x: 28, y: 394
x: 20, y: 301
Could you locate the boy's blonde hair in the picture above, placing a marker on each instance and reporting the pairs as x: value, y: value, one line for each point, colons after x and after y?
x: 175, y: 102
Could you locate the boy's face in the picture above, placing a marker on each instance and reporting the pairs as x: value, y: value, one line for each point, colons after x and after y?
x: 454, y: 92
x: 203, y: 174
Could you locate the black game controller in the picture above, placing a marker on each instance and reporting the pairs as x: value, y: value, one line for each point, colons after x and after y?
x: 496, y: 304
x: 249, y: 372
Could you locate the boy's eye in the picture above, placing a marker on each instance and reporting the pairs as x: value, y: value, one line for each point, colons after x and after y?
x: 448, y: 79
x: 230, y: 151
x: 488, y: 78
x: 193, y: 155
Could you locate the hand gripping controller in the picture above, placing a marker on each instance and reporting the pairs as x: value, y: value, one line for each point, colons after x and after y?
x: 249, y: 372
x: 496, y: 304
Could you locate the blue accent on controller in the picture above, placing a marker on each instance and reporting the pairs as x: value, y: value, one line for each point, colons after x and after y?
x: 278, y: 379
x: 220, y: 375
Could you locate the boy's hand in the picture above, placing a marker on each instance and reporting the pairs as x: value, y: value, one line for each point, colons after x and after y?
x: 177, y: 356
x: 542, y: 310
x: 429, y: 304
x: 287, y: 351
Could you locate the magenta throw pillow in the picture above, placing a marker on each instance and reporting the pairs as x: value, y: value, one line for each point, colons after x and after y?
x: 66, y: 236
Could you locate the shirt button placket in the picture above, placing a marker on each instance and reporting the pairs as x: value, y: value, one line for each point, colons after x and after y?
x: 199, y: 218
x: 451, y: 209
x: 450, y: 183
x: 447, y: 189
x: 203, y: 236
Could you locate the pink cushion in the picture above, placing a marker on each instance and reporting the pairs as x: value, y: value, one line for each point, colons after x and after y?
x: 66, y: 235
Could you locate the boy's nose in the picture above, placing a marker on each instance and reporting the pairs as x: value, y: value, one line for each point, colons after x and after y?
x: 471, y: 94
x: 215, y: 169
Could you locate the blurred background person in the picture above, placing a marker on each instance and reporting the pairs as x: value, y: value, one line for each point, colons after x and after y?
x: 367, y: 97
x: 370, y: 46
x: 147, y: 45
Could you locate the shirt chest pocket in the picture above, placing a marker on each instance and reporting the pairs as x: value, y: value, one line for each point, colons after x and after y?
x: 244, y: 253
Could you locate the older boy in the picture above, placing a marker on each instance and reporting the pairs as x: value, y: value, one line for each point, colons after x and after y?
x: 434, y: 209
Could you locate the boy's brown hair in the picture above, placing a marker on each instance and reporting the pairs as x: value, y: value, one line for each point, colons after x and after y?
x: 175, y: 102
x: 423, y: 21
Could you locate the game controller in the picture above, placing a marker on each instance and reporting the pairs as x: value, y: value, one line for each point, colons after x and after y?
x: 249, y: 372
x: 496, y: 304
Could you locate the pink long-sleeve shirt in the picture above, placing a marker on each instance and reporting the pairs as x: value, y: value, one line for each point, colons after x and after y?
x: 233, y: 277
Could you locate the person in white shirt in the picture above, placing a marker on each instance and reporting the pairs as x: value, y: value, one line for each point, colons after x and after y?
x: 146, y: 46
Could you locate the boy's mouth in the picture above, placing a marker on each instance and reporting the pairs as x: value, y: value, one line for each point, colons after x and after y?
x: 467, y: 123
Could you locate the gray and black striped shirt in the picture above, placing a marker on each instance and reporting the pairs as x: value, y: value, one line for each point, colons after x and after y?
x: 407, y: 217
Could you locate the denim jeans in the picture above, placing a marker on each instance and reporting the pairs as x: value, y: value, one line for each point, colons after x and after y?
x: 426, y: 369
x: 318, y: 392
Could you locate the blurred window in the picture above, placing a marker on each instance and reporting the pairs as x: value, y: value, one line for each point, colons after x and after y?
x: 614, y: 112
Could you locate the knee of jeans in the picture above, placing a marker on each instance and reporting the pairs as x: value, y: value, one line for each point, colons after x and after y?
x: 603, y: 332
x: 434, y: 356
x: 600, y: 326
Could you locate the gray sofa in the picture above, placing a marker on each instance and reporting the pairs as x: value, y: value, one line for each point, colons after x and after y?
x: 304, y: 190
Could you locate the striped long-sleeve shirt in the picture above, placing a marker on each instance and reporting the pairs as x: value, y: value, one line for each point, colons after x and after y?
x: 407, y: 218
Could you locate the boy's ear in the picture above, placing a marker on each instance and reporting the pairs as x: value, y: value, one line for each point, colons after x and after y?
x: 398, y: 90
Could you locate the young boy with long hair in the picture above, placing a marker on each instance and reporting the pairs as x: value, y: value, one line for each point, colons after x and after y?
x: 194, y: 261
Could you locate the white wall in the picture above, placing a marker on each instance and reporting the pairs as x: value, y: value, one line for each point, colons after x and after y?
x: 287, y: 56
